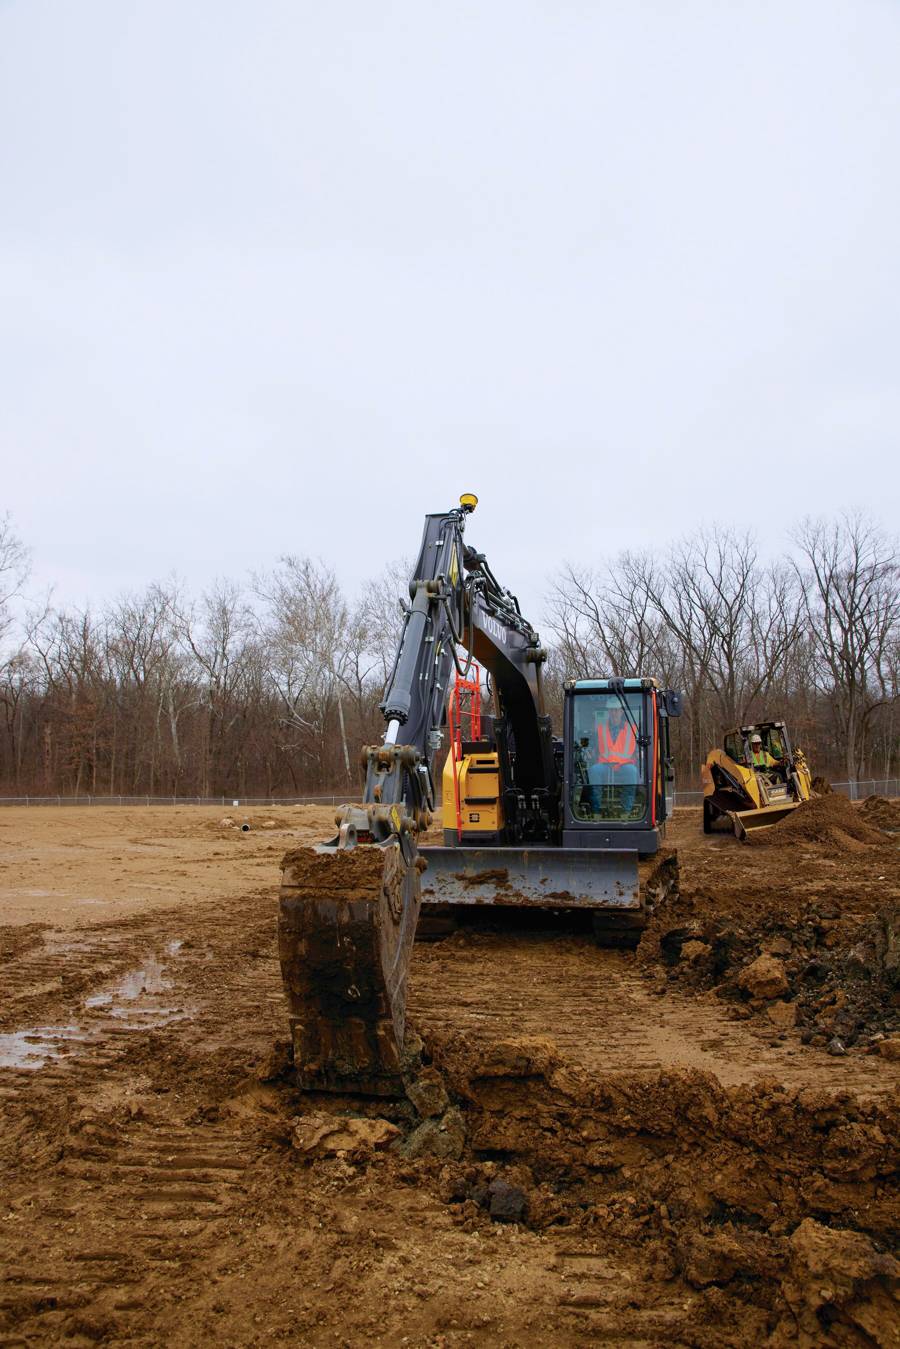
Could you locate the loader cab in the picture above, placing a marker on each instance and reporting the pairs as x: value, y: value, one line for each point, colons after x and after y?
x: 775, y: 741
x: 616, y: 763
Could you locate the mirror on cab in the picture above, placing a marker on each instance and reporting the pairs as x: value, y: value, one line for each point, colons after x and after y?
x: 673, y: 702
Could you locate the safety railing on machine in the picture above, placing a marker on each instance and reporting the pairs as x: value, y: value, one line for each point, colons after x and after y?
x: 463, y: 705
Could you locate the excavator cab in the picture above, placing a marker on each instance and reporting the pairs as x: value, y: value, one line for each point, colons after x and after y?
x: 617, y: 763
x: 582, y: 844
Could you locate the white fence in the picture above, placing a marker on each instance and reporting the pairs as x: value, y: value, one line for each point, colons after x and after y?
x: 222, y: 801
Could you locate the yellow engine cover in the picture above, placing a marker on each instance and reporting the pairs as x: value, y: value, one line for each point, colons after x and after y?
x: 742, y: 775
x: 480, y: 806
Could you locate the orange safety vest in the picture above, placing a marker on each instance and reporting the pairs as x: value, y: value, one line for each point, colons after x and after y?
x: 618, y: 750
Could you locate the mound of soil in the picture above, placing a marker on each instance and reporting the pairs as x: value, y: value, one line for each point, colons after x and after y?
x: 829, y: 820
x: 880, y: 812
x: 839, y: 992
x: 820, y: 895
x: 778, y: 1205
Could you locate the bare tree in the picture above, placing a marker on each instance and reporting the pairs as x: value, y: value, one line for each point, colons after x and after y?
x: 850, y: 577
x: 218, y: 634
x: 307, y: 630
x: 15, y: 566
x: 379, y: 616
x: 605, y: 622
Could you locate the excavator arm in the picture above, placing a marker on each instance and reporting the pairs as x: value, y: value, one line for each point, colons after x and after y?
x: 349, y: 908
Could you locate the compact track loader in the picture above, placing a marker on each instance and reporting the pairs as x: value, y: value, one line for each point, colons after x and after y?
x: 754, y: 790
x: 576, y: 823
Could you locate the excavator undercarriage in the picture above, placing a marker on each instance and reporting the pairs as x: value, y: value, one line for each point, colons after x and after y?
x: 348, y: 919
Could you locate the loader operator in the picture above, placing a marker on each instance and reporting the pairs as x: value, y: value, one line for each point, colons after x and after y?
x: 759, y: 757
x: 616, y: 763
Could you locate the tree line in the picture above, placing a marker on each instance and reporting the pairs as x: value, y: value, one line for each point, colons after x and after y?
x: 270, y: 687
x: 812, y: 638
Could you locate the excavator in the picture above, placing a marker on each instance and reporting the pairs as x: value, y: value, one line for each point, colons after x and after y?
x: 546, y: 824
x: 755, y: 780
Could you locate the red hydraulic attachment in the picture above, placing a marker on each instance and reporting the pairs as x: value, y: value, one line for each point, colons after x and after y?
x: 464, y: 723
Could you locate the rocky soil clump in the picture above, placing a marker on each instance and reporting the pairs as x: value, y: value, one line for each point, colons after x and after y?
x: 840, y: 994
x: 801, y: 928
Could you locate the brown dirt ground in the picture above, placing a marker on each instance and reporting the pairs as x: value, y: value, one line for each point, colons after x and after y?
x: 684, y: 1167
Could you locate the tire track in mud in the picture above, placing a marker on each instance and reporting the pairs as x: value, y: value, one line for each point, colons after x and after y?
x: 603, y: 1015
x: 168, y: 1200
x: 116, y: 1161
x: 48, y: 975
x: 602, y: 1297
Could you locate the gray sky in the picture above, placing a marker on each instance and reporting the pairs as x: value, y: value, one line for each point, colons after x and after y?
x: 284, y: 276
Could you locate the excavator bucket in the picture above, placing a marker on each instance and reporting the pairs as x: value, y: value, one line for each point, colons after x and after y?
x: 347, y: 919
x: 545, y: 878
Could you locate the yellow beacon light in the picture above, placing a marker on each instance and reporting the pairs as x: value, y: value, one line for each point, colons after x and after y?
x: 468, y: 501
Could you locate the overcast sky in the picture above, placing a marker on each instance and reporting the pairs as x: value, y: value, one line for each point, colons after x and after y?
x: 284, y: 276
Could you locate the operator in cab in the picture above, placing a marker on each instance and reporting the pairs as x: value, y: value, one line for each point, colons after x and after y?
x: 616, y: 763
x: 759, y: 757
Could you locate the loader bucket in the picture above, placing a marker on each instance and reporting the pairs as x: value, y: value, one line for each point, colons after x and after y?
x: 752, y: 821
x: 546, y: 878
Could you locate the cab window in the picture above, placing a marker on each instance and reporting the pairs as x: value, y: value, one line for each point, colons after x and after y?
x: 734, y: 747
x: 609, y: 769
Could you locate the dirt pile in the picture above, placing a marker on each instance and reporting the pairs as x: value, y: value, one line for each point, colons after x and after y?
x: 839, y: 994
x: 832, y: 821
x: 881, y: 813
x: 778, y: 1206
x: 819, y: 894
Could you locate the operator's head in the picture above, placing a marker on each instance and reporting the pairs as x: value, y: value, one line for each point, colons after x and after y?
x: 756, y: 741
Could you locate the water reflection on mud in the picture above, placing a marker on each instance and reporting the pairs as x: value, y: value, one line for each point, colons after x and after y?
x: 135, y: 1001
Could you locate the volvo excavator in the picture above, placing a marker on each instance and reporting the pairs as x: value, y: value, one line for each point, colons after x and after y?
x: 548, y: 824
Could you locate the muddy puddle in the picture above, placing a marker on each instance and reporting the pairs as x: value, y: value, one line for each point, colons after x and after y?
x: 31, y: 1049
x: 140, y: 999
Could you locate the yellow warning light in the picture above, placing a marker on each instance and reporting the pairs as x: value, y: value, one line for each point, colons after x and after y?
x: 468, y: 501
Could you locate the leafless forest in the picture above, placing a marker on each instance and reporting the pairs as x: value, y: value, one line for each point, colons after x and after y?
x: 270, y: 686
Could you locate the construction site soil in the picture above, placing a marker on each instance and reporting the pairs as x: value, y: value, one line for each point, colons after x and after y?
x: 693, y: 1143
